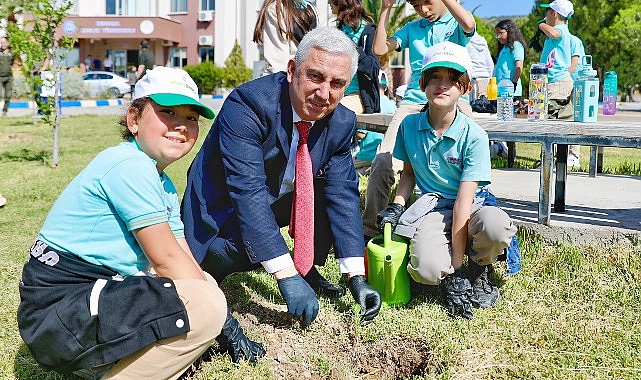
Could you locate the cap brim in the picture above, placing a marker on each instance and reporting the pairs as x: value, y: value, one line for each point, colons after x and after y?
x: 170, y: 100
x: 449, y: 65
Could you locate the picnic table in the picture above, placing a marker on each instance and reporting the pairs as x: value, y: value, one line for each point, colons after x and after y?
x: 623, y: 134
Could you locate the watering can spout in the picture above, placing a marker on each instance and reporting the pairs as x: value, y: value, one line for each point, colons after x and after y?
x: 389, y: 278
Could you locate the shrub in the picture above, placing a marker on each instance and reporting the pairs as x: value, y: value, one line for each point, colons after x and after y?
x: 207, y: 76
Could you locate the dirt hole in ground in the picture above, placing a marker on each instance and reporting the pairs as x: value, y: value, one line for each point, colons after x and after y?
x: 391, y: 358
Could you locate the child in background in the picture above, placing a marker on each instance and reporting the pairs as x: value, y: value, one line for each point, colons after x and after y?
x: 388, y: 101
x: 131, y: 77
x: 511, y: 48
x: 111, y: 286
x: 442, y: 20
x: 280, y: 26
x: 557, y: 56
x: 447, y: 155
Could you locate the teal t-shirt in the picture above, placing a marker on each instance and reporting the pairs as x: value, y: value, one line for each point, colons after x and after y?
x: 576, y: 48
x: 506, y: 64
x: 387, y: 105
x: 368, y: 144
x: 562, y: 55
x: 417, y: 37
x: 440, y: 164
x: 354, y: 36
x: 119, y: 191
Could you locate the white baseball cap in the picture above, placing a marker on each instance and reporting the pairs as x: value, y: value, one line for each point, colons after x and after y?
x: 447, y: 54
x: 400, y: 90
x: 562, y: 7
x: 169, y: 86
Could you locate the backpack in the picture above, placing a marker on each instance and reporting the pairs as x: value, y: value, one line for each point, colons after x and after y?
x: 369, y: 66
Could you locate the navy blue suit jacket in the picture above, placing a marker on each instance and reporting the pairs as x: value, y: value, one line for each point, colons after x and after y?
x: 233, y: 183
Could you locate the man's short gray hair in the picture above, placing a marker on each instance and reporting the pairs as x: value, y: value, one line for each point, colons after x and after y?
x: 331, y: 40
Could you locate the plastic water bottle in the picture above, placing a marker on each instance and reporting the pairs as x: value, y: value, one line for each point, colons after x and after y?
x: 586, y: 92
x: 538, y: 101
x: 492, y: 89
x: 505, y: 100
x: 610, y: 93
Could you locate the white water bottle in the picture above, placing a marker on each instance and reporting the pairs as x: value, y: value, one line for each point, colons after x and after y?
x: 505, y: 100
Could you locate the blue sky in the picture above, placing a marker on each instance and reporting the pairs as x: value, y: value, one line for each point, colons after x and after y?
x: 495, y: 8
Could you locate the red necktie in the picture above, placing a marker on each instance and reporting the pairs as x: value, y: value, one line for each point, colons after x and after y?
x: 302, y: 222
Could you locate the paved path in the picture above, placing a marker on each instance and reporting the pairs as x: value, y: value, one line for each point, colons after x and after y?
x: 604, y: 209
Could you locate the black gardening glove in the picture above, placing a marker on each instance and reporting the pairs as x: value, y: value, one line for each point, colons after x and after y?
x: 366, y: 296
x: 300, y: 298
x: 458, y: 294
x: 534, y: 42
x: 391, y: 214
x: 233, y: 340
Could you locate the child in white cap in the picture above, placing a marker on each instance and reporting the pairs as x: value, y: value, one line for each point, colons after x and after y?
x: 447, y: 155
x: 111, y: 287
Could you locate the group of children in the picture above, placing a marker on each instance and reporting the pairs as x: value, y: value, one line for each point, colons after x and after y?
x: 102, y: 253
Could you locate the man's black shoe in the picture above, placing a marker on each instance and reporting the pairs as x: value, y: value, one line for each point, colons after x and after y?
x: 486, y: 292
x: 321, y: 286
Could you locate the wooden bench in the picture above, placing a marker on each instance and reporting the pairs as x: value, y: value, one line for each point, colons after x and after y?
x: 623, y: 134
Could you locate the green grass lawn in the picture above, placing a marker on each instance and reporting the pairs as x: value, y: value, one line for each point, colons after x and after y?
x: 571, y: 313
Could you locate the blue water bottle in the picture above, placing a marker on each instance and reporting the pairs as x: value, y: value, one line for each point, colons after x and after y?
x: 586, y: 92
x: 505, y: 100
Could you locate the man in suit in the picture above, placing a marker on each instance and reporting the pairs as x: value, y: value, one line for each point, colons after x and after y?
x: 239, y: 187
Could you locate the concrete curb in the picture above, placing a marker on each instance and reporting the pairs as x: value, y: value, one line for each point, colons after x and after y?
x: 89, y: 103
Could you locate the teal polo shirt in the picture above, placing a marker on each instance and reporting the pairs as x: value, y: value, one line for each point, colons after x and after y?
x: 118, y: 192
x: 506, y: 64
x: 562, y: 55
x: 418, y: 36
x: 440, y: 164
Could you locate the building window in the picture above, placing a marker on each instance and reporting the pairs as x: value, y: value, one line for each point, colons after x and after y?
x: 177, y: 57
x: 207, y: 5
x: 178, y: 6
x: 206, y: 54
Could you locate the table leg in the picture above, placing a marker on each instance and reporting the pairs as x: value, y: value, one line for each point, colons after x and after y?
x: 545, y: 190
x: 511, y: 153
x: 561, y: 177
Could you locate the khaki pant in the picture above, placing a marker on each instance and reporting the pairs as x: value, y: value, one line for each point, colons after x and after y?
x: 384, y: 167
x: 168, y: 359
x: 489, y: 230
x: 562, y: 91
x: 353, y: 102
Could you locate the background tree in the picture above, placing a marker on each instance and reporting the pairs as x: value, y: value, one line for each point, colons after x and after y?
x: 236, y: 72
x: 35, y: 40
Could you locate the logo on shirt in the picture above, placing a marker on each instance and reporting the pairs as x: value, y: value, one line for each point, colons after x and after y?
x: 454, y: 160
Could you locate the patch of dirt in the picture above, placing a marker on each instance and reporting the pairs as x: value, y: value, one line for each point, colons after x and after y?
x: 330, y: 348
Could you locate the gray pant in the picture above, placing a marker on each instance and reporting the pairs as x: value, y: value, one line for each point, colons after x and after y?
x: 489, y: 230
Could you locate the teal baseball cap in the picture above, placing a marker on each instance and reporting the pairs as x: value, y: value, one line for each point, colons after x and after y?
x: 170, y: 86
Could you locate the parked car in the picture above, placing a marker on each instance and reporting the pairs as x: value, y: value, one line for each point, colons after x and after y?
x: 100, y: 82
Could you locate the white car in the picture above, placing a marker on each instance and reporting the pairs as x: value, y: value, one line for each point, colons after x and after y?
x: 101, y: 82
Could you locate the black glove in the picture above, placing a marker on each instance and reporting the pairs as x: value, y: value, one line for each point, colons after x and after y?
x: 391, y: 214
x: 534, y: 42
x: 300, y: 298
x: 233, y: 340
x: 366, y: 296
x: 458, y: 294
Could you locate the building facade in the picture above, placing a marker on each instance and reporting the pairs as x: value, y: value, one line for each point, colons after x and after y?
x: 180, y: 32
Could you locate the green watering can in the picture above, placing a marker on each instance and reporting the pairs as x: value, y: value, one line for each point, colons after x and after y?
x: 387, y: 267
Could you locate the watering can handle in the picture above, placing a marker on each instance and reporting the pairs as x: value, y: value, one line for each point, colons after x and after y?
x: 387, y: 234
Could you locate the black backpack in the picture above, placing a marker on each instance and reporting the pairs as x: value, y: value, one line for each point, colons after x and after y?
x: 369, y: 66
